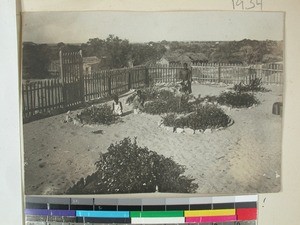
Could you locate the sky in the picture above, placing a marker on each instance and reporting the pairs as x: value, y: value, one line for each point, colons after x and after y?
x: 79, y: 27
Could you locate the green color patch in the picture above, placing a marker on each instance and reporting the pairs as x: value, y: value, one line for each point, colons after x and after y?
x: 138, y: 214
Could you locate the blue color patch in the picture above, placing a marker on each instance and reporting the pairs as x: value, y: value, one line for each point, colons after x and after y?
x: 103, y: 214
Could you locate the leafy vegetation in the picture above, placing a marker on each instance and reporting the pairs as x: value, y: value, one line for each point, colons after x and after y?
x: 115, y: 52
x: 101, y: 115
x: 129, y: 168
x: 152, y: 93
x: 254, y: 85
x: 35, y: 61
x: 204, y: 117
x: 237, y: 99
x: 185, y: 110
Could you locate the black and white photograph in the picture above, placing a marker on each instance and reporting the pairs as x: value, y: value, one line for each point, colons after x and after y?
x: 152, y: 102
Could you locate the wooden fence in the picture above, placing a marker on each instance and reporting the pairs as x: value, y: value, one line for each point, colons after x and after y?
x: 163, y: 74
x: 225, y: 73
x: 107, y: 82
x: 42, y: 97
x: 233, y: 74
x: 46, y: 96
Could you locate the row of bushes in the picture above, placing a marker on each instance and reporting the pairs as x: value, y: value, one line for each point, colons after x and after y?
x: 195, y: 113
x: 129, y: 168
x: 165, y: 101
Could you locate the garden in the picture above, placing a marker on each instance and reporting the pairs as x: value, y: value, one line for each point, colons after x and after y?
x: 178, y: 143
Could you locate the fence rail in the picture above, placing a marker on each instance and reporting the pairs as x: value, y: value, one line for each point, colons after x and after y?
x: 233, y: 74
x: 41, y: 97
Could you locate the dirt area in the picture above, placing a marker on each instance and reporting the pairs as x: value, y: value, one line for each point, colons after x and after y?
x: 243, y: 158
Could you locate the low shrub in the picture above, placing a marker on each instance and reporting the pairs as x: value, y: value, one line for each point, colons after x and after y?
x: 128, y: 168
x: 179, y: 104
x: 205, y: 116
x: 237, y: 99
x: 160, y: 106
x: 169, y: 119
x: 254, y: 85
x: 165, y: 95
x: 151, y: 93
x: 101, y: 114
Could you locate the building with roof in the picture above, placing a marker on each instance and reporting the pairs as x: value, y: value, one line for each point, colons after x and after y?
x: 91, y: 64
x: 176, y: 58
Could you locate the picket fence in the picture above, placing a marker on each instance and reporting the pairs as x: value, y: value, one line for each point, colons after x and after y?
x: 46, y: 96
x: 217, y: 73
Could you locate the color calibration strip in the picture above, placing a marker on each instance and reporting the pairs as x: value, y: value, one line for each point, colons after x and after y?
x: 204, y: 210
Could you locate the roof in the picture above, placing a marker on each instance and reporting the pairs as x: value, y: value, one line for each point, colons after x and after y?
x: 91, y: 60
x: 176, y: 57
x: 172, y: 57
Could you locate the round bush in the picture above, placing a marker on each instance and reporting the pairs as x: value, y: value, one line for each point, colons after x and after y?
x: 101, y: 114
x: 207, y: 116
x: 128, y: 168
x: 151, y: 94
x: 254, y: 85
x: 160, y: 106
x: 237, y: 99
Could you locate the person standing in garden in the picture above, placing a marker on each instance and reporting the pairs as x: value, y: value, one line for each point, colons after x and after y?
x: 185, y: 75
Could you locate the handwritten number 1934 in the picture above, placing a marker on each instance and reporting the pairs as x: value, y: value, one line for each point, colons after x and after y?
x: 247, y: 4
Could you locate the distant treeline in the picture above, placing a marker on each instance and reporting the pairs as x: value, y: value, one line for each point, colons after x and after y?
x: 118, y: 53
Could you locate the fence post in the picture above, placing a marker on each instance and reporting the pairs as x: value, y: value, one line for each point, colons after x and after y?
x: 81, y: 78
x: 146, y: 77
x: 63, y: 87
x: 109, y: 84
x: 219, y: 73
x: 129, y: 79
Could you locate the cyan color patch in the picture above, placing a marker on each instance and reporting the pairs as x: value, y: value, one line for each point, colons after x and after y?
x: 103, y: 214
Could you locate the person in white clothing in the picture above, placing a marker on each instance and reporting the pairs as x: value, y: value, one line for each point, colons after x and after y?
x: 117, y: 106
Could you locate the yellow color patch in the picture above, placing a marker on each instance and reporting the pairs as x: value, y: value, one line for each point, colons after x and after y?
x: 212, y: 212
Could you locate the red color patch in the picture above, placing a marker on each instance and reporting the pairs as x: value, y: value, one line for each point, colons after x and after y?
x: 246, y: 214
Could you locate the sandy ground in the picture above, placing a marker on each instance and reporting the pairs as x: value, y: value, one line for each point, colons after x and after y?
x: 244, y: 158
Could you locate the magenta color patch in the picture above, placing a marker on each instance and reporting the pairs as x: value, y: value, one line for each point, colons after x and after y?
x: 210, y: 219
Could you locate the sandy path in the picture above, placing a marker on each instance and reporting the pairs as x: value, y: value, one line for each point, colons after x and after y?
x: 240, y: 159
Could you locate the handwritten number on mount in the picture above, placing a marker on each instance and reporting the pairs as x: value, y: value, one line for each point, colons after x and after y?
x: 247, y: 4
x: 252, y: 5
x: 240, y: 2
x: 259, y: 2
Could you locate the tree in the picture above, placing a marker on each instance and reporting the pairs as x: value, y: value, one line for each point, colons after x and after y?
x: 36, y: 59
x: 247, y: 53
x: 116, y: 50
x: 143, y: 53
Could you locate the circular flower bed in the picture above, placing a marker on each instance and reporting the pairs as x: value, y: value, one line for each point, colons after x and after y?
x: 204, y: 117
x: 101, y: 114
x: 237, y: 99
